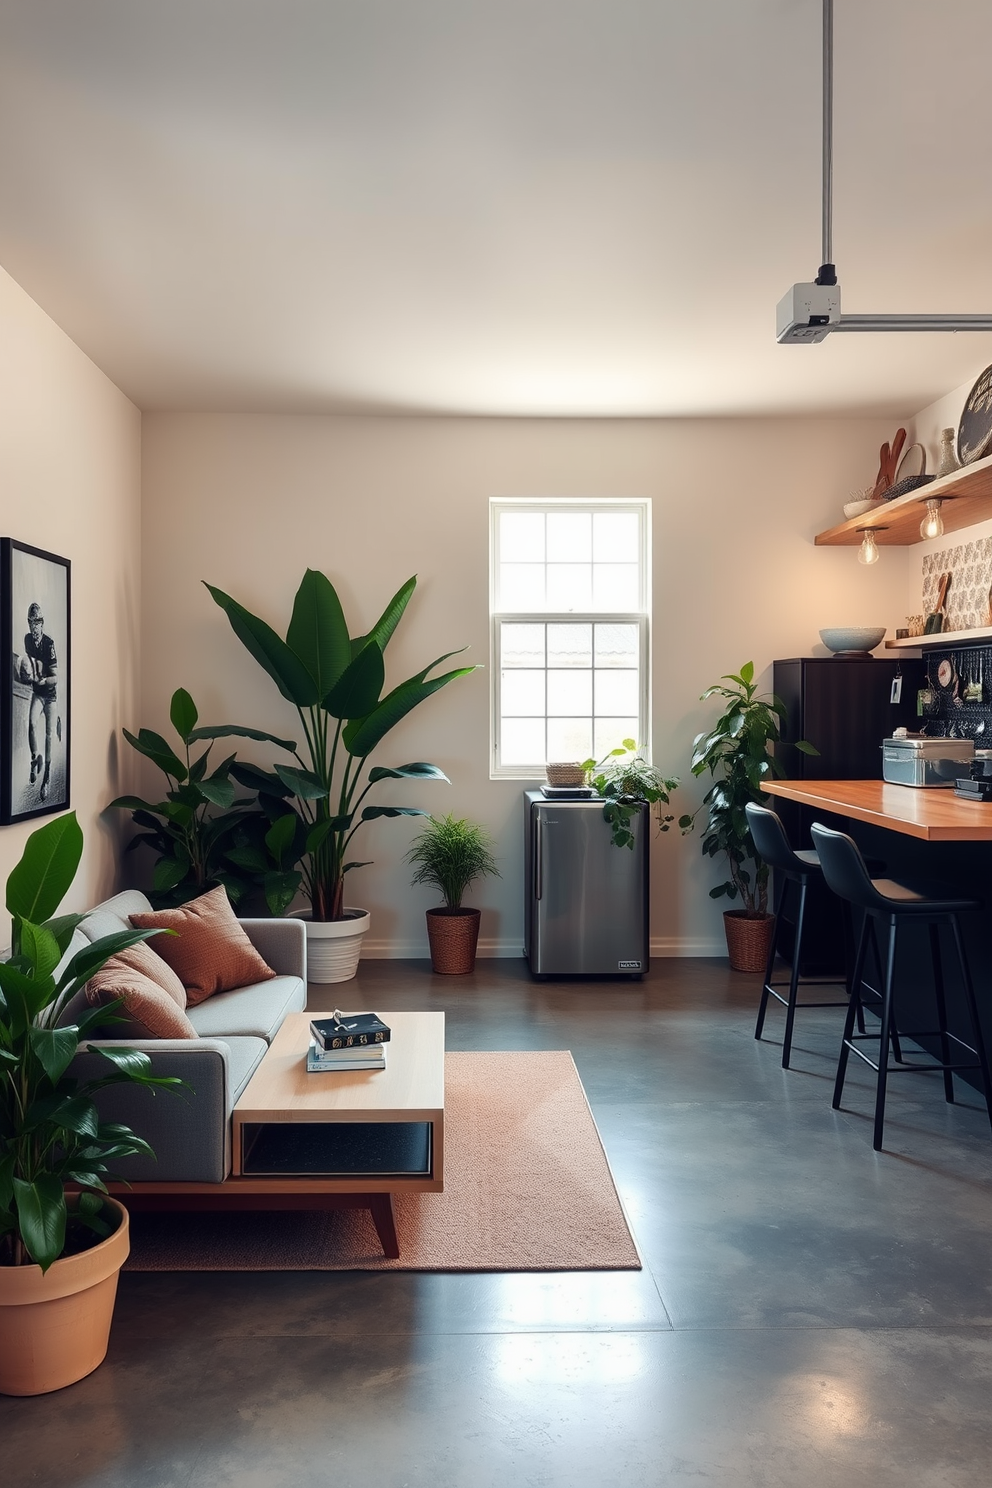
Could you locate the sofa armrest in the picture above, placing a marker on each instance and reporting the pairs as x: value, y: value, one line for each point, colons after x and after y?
x: 282, y: 943
x: 190, y: 1130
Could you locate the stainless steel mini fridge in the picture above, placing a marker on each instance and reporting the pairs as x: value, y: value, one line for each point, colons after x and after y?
x: 586, y: 900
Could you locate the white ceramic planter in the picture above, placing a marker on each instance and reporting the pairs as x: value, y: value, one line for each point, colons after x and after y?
x: 334, y: 946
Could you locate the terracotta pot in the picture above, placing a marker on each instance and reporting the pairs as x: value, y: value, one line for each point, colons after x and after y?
x: 749, y: 939
x: 55, y: 1326
x: 454, y: 936
x: 334, y: 946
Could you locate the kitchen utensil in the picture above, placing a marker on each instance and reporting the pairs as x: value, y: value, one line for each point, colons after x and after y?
x: 974, y: 691
x: 852, y: 640
x: 934, y: 622
x: 888, y: 460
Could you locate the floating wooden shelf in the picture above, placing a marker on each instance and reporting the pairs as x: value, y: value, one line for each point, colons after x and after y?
x: 943, y: 638
x: 967, y: 497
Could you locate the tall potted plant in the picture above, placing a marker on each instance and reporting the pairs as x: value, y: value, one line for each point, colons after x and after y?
x: 449, y: 855
x: 60, y: 1253
x: 737, y: 751
x: 315, y: 806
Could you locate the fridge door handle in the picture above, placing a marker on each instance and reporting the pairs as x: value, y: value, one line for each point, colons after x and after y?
x: 538, y: 855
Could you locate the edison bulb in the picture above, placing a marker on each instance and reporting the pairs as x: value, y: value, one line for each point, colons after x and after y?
x: 868, y: 551
x: 932, y: 524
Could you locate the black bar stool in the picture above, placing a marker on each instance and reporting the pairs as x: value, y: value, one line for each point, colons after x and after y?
x: 796, y: 868
x: 888, y: 902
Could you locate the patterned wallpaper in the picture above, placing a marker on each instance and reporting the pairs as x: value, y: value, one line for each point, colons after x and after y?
x: 968, y: 597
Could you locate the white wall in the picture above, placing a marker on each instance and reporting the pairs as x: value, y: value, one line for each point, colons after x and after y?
x: 249, y: 501
x: 70, y: 483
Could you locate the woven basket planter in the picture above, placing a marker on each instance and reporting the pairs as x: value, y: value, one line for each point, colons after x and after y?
x: 453, y: 936
x: 748, y: 939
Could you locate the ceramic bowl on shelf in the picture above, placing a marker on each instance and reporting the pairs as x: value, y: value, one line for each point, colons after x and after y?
x: 856, y: 508
x: 852, y: 640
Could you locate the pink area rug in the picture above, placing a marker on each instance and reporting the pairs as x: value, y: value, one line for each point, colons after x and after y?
x: 527, y: 1187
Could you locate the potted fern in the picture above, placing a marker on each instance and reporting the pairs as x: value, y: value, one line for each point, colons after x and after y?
x: 449, y: 855
x: 63, y: 1239
x: 738, y: 752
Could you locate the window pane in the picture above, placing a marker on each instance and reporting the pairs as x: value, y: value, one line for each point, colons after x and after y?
x: 616, y: 645
x: 615, y: 537
x: 522, y: 693
x: 521, y: 537
x: 521, y: 586
x: 569, y: 738
x: 616, y: 692
x: 522, y: 741
x: 569, y: 586
x: 569, y: 537
x: 569, y: 692
x: 571, y: 645
x: 609, y: 733
x: 522, y: 645
x: 616, y: 586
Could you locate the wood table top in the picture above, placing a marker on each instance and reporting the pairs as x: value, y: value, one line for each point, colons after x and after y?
x: 932, y: 814
x: 410, y: 1088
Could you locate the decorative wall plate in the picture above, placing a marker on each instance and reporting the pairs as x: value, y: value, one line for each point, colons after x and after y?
x: 975, y: 428
x: 945, y: 673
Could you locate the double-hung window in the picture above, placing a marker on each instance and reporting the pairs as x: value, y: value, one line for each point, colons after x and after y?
x: 570, y: 595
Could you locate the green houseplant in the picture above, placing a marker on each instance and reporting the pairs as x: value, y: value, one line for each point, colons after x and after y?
x: 202, y: 833
x: 54, y: 1251
x: 316, y: 805
x: 737, y: 752
x: 450, y: 854
x: 626, y: 782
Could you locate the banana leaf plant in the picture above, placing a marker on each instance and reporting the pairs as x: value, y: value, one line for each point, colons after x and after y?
x: 203, y: 833
x: 50, y: 1133
x: 335, y: 681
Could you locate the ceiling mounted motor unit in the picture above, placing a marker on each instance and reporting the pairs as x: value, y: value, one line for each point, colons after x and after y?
x: 811, y: 312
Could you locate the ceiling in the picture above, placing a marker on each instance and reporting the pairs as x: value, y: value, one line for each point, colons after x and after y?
x: 576, y: 207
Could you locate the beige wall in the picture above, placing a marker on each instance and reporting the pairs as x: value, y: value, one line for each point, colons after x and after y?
x: 69, y: 482
x: 248, y: 501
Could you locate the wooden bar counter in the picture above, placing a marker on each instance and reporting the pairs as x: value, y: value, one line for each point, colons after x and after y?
x: 931, y: 814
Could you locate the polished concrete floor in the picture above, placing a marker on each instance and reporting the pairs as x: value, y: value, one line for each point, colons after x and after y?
x: 809, y: 1313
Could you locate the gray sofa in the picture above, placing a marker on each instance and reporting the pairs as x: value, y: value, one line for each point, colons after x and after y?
x: 190, y: 1133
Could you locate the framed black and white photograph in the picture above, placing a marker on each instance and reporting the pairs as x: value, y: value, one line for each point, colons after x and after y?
x: 34, y: 699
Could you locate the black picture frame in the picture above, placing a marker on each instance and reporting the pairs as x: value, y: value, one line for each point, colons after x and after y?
x: 36, y: 694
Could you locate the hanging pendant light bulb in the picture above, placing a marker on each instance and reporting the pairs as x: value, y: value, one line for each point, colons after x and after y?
x: 868, y: 551
x: 932, y: 524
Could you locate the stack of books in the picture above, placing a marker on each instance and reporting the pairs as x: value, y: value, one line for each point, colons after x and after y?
x: 347, y: 1041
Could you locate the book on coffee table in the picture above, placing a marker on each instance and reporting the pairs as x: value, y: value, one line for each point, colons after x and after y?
x: 372, y: 1056
x: 349, y: 1030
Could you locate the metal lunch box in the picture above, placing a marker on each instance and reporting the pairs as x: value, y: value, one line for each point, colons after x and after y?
x: 919, y: 761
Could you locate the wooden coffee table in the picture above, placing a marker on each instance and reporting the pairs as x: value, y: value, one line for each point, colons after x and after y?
x: 348, y: 1139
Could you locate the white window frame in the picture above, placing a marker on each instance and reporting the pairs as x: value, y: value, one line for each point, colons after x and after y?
x: 640, y: 617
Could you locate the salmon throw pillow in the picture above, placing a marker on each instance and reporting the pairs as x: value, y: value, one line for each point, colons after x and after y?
x: 209, y: 951
x: 152, y: 994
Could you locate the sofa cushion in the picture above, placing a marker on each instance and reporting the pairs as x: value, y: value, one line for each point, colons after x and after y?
x: 210, y: 952
x: 258, y: 1009
x: 153, y: 996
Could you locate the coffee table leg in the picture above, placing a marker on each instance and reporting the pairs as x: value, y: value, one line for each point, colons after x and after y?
x: 384, y: 1220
